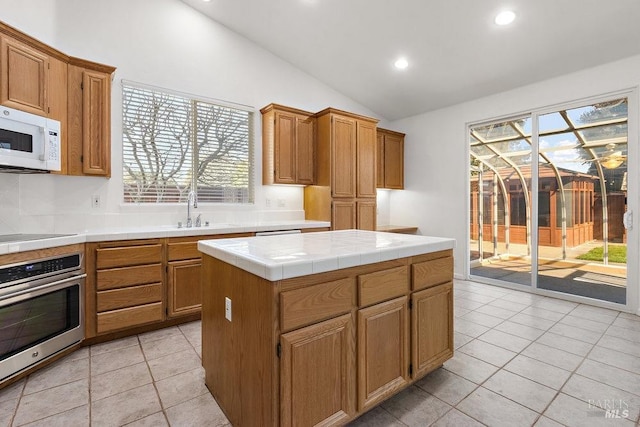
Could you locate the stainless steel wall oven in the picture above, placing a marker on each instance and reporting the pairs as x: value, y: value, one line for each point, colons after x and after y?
x: 41, y: 310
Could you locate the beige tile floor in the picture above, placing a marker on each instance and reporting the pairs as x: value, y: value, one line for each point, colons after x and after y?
x: 521, y: 360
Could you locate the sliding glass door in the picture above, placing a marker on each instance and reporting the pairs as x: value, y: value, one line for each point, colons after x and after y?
x: 576, y: 243
x: 500, y: 214
x: 582, y: 198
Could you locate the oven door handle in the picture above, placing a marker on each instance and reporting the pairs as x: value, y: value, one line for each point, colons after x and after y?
x: 41, y: 289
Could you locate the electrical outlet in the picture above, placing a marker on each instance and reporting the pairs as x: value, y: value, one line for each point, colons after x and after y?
x: 267, y: 203
x: 281, y: 203
x: 95, y: 201
x: 227, y: 308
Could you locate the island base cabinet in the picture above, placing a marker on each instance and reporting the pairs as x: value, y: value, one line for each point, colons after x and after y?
x: 383, y: 351
x: 318, y: 374
x: 432, y: 319
x: 320, y: 349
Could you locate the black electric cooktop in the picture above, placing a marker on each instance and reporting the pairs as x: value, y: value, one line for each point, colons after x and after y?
x: 8, y: 238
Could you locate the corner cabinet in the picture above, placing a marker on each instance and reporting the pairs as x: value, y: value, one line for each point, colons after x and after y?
x: 39, y: 79
x: 288, y: 145
x: 390, y: 159
x: 325, y: 348
x: 89, y: 142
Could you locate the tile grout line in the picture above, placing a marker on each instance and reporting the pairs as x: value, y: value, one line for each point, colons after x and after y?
x: 558, y: 391
x: 572, y: 373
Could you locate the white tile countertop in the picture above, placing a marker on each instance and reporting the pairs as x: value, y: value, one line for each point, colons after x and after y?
x: 293, y: 255
x: 156, y: 232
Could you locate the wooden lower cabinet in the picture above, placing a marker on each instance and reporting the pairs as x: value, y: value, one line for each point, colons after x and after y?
x: 343, y: 215
x: 383, y: 351
x: 321, y: 349
x: 318, y: 374
x: 124, y: 285
x: 432, y: 320
x: 184, y: 288
x: 366, y: 214
x: 353, y: 214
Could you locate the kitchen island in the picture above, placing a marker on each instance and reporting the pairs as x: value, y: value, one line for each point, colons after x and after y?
x: 318, y: 328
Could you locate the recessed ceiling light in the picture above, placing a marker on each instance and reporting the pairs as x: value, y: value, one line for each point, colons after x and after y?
x: 401, y: 63
x: 505, y: 18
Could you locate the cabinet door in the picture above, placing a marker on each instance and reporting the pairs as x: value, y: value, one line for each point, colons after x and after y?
x: 89, y: 143
x: 432, y: 328
x: 305, y: 153
x: 380, y: 160
x: 366, y: 214
x: 343, y: 215
x: 393, y: 162
x: 383, y: 351
x: 317, y: 369
x: 96, y: 105
x: 343, y: 156
x: 366, y: 159
x: 285, y: 148
x: 24, y: 77
x: 184, y: 287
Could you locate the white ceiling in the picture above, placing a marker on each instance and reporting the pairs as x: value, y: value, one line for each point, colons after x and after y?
x: 455, y: 51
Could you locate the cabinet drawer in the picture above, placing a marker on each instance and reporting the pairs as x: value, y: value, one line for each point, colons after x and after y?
x: 129, y: 317
x: 183, y: 250
x: 382, y: 285
x: 433, y: 272
x: 309, y: 305
x: 129, y: 255
x: 127, y: 297
x: 128, y: 276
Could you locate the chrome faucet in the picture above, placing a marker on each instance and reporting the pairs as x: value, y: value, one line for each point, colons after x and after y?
x: 192, y: 198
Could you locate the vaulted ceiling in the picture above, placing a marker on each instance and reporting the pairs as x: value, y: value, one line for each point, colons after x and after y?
x: 455, y: 50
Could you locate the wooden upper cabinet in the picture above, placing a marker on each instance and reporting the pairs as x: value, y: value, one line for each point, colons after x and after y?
x: 285, y: 149
x: 89, y: 109
x: 345, y: 188
x: 96, y: 126
x: 25, y: 75
x: 39, y: 79
x: 379, y: 159
x: 288, y: 145
x: 366, y: 159
x: 305, y: 154
x: 390, y: 162
x: 343, y: 156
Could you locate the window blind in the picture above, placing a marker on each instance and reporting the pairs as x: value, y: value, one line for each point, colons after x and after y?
x: 173, y: 144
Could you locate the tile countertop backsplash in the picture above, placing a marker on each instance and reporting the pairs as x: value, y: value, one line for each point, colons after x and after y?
x: 293, y: 255
x: 151, y: 232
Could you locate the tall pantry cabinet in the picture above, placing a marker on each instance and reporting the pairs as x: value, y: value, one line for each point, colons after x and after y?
x: 345, y: 190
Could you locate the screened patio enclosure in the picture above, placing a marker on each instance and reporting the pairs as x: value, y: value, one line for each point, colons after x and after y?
x: 578, y: 189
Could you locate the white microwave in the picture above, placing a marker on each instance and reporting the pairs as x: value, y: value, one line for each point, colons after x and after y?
x: 28, y: 143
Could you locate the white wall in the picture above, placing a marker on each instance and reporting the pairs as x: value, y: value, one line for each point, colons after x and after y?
x: 437, y: 160
x: 167, y: 44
